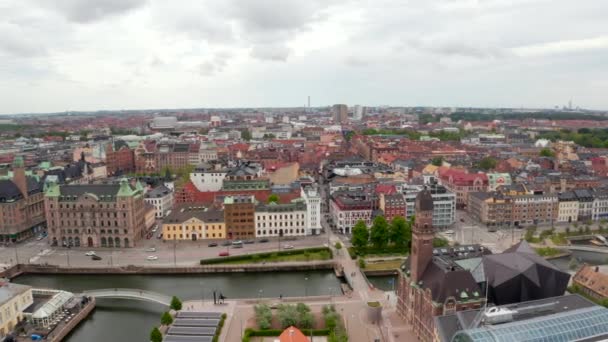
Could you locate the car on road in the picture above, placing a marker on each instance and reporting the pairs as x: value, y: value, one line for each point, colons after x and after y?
x: 226, y: 243
x: 224, y: 253
x: 288, y: 247
x: 95, y: 257
x: 449, y: 232
x: 89, y: 253
x: 151, y: 249
x: 152, y: 257
x: 213, y: 244
x: 248, y: 242
x: 237, y: 242
x: 263, y: 240
x: 238, y: 246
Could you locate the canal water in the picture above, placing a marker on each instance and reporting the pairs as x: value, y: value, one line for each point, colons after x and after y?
x: 131, y: 321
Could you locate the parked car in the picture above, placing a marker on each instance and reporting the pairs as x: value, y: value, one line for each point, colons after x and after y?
x: 237, y: 242
x: 263, y: 240
x: 247, y: 242
x: 449, y: 232
x: 95, y: 257
x: 226, y: 243
x: 213, y: 244
x: 89, y: 253
x: 152, y: 257
x: 151, y: 249
x: 288, y: 247
x: 224, y: 253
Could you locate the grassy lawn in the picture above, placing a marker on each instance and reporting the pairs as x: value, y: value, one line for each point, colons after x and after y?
x: 302, y: 256
x: 547, y: 251
x: 383, y: 265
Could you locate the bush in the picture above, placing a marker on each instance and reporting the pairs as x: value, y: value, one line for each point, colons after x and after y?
x: 176, y: 304
x: 166, y: 319
x: 220, y: 325
x: 361, y: 263
x: 259, y: 256
x: 156, y: 335
x: 352, y: 252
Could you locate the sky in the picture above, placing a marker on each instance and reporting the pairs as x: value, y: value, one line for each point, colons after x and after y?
x: 73, y: 55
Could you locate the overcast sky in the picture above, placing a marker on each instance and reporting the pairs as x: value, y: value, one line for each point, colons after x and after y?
x: 58, y: 55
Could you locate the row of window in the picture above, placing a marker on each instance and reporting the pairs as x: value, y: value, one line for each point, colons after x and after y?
x: 200, y: 228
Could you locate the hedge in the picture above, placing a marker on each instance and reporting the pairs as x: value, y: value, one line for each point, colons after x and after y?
x: 276, y: 332
x: 352, y: 251
x: 218, y: 332
x: 244, y: 257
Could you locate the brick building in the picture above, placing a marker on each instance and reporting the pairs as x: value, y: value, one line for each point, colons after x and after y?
x: 592, y: 282
x: 239, y: 215
x: 120, y: 158
x: 95, y: 215
x: 393, y: 206
x: 21, y: 205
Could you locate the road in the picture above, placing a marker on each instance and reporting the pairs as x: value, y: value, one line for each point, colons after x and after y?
x: 182, y: 253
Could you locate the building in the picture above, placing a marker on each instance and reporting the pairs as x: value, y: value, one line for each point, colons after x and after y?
x: 444, y: 203
x: 274, y: 219
x: 496, y: 180
x: 239, y: 215
x: 564, y: 318
x: 95, y: 215
x: 393, y: 205
x: 567, y: 208
x: 161, y: 198
x: 443, y: 281
x: 348, y: 208
x: 591, y: 281
x: 310, y: 194
x: 600, y: 205
x: 495, y: 210
x: 14, y: 299
x: 292, y: 334
x: 358, y: 113
x: 120, y: 159
x: 462, y: 183
x: 340, y: 113
x: 194, y: 223
x: 207, y: 178
x: 21, y: 205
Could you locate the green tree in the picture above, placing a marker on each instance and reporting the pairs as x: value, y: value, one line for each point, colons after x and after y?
x: 379, y: 232
x: 437, y: 161
x: 360, y: 237
x: 166, y: 319
x: 287, y: 315
x: 400, y: 232
x: 274, y: 198
x: 547, y: 152
x: 440, y: 242
x: 361, y: 263
x: 176, y: 304
x: 246, y: 135
x: 263, y: 316
x: 156, y: 335
x: 305, y: 317
x: 487, y: 163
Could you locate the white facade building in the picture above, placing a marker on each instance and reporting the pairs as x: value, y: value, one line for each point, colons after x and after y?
x: 312, y: 198
x: 358, y: 113
x: 444, y: 203
x: 272, y: 220
x: 161, y: 198
x: 347, y: 209
x: 206, y: 180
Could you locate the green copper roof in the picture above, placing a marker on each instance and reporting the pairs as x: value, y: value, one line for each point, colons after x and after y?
x: 125, y: 189
x: 18, y: 161
x: 52, y: 190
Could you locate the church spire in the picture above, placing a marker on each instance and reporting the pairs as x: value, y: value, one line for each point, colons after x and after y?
x: 422, y: 235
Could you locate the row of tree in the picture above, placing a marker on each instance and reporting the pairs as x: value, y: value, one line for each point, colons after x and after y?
x: 397, y: 233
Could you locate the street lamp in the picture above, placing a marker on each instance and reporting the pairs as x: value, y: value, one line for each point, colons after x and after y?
x: 305, y: 286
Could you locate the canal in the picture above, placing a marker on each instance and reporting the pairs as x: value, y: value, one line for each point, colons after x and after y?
x: 128, y: 321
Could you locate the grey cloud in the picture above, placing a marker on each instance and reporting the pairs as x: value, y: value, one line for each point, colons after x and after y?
x: 457, y: 47
x: 270, y: 52
x: 82, y: 11
x: 216, y: 64
x: 15, y: 42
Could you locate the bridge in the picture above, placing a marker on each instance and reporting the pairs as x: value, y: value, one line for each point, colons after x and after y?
x: 133, y: 294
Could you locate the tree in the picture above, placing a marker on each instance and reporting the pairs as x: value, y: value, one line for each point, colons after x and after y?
x: 400, y: 232
x: 176, y: 304
x: 440, y: 242
x: 487, y: 163
x: 379, y: 232
x: 305, y: 317
x: 166, y: 318
x: 547, y: 152
x: 338, y: 246
x: 437, y: 161
x: 263, y: 316
x: 287, y: 315
x: 246, y: 135
x: 156, y: 335
x: 360, y: 235
x: 274, y: 198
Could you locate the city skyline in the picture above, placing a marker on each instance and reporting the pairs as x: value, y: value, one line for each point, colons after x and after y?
x: 136, y: 54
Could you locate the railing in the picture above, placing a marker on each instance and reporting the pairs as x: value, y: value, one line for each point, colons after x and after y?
x: 134, y: 294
